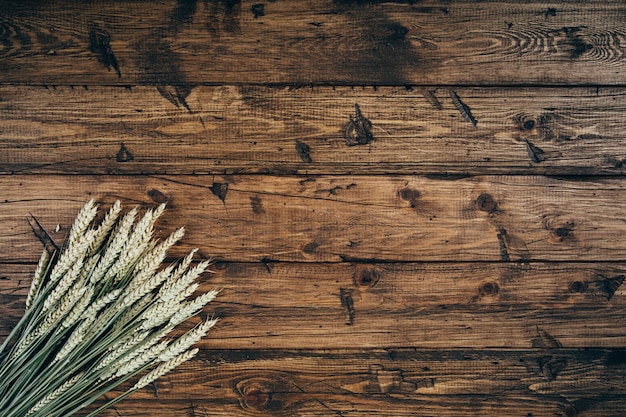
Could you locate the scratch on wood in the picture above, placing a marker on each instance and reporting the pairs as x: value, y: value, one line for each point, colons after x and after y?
x: 430, y: 96
x: 124, y: 155
x: 323, y: 404
x: 608, y: 286
x: 463, y: 108
x: 358, y: 130
x: 43, y: 236
x: 100, y: 44
x: 155, y: 387
x: 347, y: 302
x: 304, y: 151
x: 177, y: 95
x: 535, y: 153
x: 502, y: 240
x: 220, y: 190
x: 330, y: 191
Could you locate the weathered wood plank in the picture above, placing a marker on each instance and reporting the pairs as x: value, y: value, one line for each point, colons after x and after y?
x: 393, y: 382
x: 327, y: 218
x: 230, y: 129
x: 353, y: 42
x: 426, y: 305
x: 372, y: 405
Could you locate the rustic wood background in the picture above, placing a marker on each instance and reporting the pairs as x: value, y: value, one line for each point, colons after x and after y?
x: 416, y: 207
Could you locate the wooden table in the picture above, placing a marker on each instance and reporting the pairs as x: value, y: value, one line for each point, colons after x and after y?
x: 417, y: 208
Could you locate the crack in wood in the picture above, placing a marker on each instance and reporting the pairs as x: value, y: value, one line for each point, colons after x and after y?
x: 258, y: 10
x: 304, y: 151
x: 503, y: 242
x: 100, y: 44
x: 432, y: 99
x: 220, y: 189
x: 535, y: 153
x: 463, y: 108
x: 347, y: 302
x: 124, y: 155
x: 545, y: 340
x: 44, y: 237
x: 608, y: 286
x: 358, y: 130
x: 177, y: 94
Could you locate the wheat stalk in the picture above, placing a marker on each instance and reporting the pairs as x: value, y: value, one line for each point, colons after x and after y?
x: 99, y: 314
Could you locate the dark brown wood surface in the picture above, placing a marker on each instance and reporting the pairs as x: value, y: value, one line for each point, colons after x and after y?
x: 351, y: 42
x: 260, y: 129
x: 416, y: 208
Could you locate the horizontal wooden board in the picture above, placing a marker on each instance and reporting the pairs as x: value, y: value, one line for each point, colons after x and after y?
x: 232, y: 129
x: 391, y: 383
x: 325, y: 41
x: 342, y: 218
x: 424, y: 305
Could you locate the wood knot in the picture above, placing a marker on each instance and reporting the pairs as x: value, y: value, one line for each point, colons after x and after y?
x: 366, y: 276
x: 409, y: 194
x: 310, y: 247
x: 488, y: 289
x: 561, y: 233
x: 220, y: 266
x: 559, y: 229
x: 577, y: 286
x: 256, y: 398
x: 540, y: 128
x: 486, y: 203
x: 258, y: 393
x: 157, y: 196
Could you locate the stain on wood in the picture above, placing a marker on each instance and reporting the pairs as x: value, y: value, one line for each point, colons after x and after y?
x: 257, y: 204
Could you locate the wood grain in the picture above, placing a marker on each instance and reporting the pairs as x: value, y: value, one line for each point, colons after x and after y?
x: 231, y: 129
x: 398, y: 382
x: 328, y: 218
x: 416, y: 208
x: 337, y: 42
x: 425, y: 305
